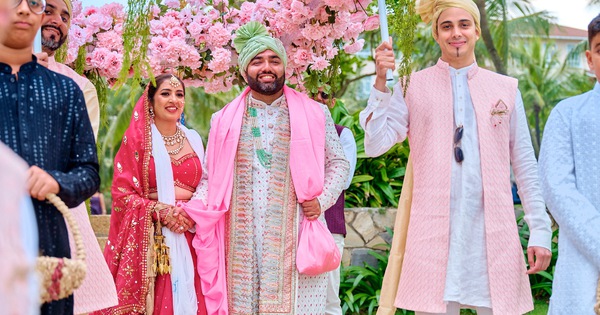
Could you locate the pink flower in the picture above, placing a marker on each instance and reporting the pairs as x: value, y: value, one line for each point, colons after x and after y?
x: 156, y: 27
x: 218, y: 36
x: 302, y: 56
x: 90, y: 10
x: 371, y: 23
x: 354, y: 47
x: 195, y: 29
x: 155, y: 10
x: 176, y: 33
x: 77, y: 36
x: 158, y: 45
x: 316, y: 32
x: 173, y: 4
x: 332, y: 53
x: 319, y: 63
x: 221, y: 60
x: 110, y: 40
x: 77, y: 8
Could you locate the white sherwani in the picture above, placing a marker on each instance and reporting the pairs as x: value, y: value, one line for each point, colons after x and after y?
x: 570, y: 175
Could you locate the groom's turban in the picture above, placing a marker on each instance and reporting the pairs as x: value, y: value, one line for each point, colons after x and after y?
x: 253, y: 38
x: 430, y: 11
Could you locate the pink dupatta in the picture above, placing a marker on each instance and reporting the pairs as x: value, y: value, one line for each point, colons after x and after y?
x: 307, y: 164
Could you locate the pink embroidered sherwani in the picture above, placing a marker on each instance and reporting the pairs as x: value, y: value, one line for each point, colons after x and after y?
x: 462, y: 244
x: 98, y: 289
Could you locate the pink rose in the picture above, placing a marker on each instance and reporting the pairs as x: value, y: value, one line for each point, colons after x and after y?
x: 371, y: 23
x: 302, y: 56
x: 176, y: 33
x: 354, y: 47
x: 319, y: 63
x: 221, y: 60
x: 173, y: 4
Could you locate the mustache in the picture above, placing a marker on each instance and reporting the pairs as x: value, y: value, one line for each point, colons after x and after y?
x: 267, y: 72
x: 54, y: 27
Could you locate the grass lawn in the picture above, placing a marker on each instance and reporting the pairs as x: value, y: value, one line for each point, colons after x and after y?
x: 539, y: 308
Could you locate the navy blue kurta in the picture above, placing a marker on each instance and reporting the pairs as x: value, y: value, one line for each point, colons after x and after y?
x: 44, y: 120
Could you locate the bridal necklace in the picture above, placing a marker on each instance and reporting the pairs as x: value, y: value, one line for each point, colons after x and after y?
x: 177, y: 138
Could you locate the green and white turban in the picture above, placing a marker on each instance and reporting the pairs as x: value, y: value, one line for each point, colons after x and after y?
x: 253, y: 38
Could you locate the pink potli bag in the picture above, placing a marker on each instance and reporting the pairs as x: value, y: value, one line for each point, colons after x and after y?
x: 317, y: 252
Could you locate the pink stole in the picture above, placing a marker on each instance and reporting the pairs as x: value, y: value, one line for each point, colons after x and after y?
x: 307, y: 164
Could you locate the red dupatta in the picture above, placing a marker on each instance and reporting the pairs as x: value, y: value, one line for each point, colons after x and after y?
x: 127, y: 249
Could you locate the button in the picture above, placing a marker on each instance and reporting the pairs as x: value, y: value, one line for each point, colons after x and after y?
x: 12, y: 80
x: 271, y: 142
x: 270, y: 112
x: 271, y: 126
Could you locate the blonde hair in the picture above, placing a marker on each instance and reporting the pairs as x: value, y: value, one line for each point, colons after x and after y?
x: 430, y: 11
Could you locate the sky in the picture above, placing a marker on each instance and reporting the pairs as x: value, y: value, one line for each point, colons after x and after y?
x: 576, y: 14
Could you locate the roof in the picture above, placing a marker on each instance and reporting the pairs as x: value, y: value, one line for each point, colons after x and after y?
x: 561, y: 31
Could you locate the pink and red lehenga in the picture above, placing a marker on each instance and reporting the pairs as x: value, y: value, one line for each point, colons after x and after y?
x: 130, y: 252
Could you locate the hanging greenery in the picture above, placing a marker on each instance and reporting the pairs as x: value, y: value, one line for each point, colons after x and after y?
x: 136, y: 37
x: 403, y: 24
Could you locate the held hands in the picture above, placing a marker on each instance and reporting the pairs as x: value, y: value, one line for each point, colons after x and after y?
x: 542, y: 259
x: 175, y: 219
x: 311, y: 209
x: 384, y: 60
x: 40, y: 183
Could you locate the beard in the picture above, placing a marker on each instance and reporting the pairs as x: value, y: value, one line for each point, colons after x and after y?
x: 51, y: 42
x: 266, y: 88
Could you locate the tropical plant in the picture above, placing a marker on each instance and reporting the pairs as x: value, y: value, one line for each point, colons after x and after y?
x: 377, y: 181
x: 360, y: 286
x: 541, y: 282
x: 541, y: 82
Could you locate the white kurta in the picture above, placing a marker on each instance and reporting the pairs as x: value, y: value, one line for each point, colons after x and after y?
x: 311, y: 290
x: 466, y: 278
x: 570, y: 176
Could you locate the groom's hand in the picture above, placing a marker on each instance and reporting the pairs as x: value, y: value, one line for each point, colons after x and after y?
x: 312, y: 209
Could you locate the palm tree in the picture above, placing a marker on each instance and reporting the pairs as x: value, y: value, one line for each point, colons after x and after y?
x: 541, y: 81
x: 498, y: 27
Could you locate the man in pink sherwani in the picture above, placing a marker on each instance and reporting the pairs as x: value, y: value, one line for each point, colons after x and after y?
x: 466, y: 127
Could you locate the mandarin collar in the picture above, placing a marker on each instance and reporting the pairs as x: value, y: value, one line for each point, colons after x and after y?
x: 472, y: 68
x: 26, y: 68
x: 260, y: 104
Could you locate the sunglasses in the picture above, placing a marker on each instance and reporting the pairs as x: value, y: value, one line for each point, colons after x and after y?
x: 36, y: 6
x: 458, y: 153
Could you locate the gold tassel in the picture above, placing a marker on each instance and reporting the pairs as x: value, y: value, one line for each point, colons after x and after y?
x: 162, y: 263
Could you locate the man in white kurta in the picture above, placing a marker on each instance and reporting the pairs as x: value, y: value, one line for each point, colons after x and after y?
x: 570, y: 176
x: 386, y: 122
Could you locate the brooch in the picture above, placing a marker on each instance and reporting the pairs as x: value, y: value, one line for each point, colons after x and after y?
x: 498, y: 112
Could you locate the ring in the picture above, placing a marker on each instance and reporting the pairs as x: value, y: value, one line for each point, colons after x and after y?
x: 181, y: 228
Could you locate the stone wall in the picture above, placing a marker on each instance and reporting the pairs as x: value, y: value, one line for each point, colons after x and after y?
x: 366, y: 230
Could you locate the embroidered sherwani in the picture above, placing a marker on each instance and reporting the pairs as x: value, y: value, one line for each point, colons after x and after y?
x: 570, y: 176
x: 264, y: 219
x: 455, y: 224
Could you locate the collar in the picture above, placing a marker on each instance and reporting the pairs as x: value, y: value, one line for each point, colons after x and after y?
x: 26, y: 68
x: 472, y: 69
x: 260, y: 104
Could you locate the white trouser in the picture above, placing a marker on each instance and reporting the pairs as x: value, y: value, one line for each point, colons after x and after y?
x: 333, y: 283
x: 453, y: 308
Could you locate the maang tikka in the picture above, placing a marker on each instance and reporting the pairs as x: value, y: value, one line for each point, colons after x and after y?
x: 174, y: 81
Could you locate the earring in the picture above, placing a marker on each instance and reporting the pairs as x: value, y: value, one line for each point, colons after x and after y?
x: 151, y: 112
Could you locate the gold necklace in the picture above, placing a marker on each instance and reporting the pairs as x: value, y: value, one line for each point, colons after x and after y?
x: 177, y: 138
